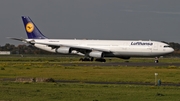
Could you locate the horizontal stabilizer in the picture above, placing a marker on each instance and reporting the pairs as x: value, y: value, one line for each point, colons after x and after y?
x: 18, y: 39
x: 23, y: 40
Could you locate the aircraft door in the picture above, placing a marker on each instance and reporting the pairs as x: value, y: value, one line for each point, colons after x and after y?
x: 155, y: 47
x: 125, y: 46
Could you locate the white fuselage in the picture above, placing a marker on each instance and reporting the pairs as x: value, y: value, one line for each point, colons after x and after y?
x: 113, y: 48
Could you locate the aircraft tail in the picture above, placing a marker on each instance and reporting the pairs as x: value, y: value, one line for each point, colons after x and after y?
x: 31, y: 29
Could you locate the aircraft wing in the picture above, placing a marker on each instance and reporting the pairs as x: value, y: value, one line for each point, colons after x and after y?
x: 71, y: 46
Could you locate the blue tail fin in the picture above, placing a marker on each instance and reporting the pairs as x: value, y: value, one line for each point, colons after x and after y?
x: 32, y: 31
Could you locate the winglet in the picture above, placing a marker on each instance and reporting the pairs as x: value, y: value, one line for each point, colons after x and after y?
x: 31, y: 29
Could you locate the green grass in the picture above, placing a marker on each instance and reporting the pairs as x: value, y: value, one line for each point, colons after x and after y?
x: 88, y: 73
x: 51, y: 67
x: 85, y: 92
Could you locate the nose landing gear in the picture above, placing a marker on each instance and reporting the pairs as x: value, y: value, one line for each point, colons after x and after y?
x: 156, y: 60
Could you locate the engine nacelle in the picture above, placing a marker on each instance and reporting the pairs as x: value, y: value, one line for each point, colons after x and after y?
x: 63, y: 50
x: 76, y: 52
x: 96, y: 54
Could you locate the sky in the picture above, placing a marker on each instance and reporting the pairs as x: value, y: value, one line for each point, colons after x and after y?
x: 93, y: 19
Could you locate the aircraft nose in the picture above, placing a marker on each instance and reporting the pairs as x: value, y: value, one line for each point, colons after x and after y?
x: 171, y: 50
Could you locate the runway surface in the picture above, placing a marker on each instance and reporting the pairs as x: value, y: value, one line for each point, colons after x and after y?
x: 142, y: 64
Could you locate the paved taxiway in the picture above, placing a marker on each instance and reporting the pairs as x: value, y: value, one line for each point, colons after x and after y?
x: 142, y: 64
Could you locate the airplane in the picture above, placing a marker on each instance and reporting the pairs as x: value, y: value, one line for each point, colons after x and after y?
x: 90, y: 49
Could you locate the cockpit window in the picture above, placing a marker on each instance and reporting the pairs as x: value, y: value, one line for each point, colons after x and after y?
x: 166, y: 46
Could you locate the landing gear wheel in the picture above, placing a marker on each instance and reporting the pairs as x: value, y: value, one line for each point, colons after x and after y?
x: 156, y: 60
x: 84, y: 59
x: 104, y: 60
x: 92, y: 59
x: 101, y: 60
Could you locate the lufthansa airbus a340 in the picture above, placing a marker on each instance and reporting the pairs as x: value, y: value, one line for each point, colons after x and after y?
x: 90, y: 49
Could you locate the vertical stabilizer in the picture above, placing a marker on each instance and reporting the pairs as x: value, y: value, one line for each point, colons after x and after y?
x: 31, y: 29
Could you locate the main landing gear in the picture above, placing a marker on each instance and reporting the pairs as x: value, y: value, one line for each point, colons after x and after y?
x: 91, y: 59
x: 101, y: 60
x: 86, y: 59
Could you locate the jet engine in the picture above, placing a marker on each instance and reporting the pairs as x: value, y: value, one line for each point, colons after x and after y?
x: 96, y: 54
x: 63, y: 50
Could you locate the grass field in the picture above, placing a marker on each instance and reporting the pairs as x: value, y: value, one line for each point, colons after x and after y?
x: 51, y: 67
x: 85, y: 92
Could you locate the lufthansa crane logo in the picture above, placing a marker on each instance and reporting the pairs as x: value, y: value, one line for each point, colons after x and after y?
x: 29, y: 27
